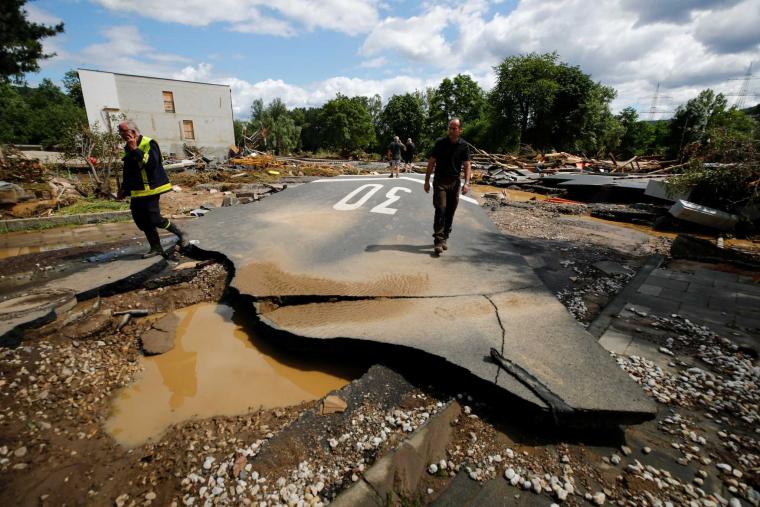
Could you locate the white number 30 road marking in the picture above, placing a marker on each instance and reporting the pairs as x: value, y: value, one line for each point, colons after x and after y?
x: 371, y: 189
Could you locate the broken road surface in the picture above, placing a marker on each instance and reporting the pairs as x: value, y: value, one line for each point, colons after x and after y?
x: 352, y: 258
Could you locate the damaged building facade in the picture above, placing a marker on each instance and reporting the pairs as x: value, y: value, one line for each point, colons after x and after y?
x: 171, y: 111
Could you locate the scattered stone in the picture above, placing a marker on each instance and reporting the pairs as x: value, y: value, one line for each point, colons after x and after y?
x: 333, y: 404
x: 185, y: 265
x: 160, y: 338
x: 239, y: 466
x: 230, y: 200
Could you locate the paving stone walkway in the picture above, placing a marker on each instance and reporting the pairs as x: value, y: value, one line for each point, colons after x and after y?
x: 727, y: 303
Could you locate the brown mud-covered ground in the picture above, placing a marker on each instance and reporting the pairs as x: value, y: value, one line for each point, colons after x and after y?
x: 57, y: 385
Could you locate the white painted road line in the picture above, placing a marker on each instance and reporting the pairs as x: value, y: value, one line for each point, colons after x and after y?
x: 416, y: 180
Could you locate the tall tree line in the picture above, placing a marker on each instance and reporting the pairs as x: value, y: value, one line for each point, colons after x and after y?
x: 537, y: 102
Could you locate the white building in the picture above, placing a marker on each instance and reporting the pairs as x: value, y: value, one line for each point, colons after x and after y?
x: 170, y: 111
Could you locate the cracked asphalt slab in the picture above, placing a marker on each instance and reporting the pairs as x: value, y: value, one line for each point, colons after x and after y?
x: 352, y: 258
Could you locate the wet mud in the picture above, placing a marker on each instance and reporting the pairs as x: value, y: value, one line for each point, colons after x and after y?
x: 215, y: 369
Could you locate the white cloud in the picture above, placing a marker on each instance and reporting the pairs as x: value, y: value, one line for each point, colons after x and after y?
x: 201, y: 72
x: 313, y: 95
x: 732, y: 30
x: 284, y: 17
x: 626, y: 45
x: 126, y: 51
x: 50, y: 45
x: 671, y: 11
x: 374, y: 63
x: 37, y: 15
x: 416, y: 38
x: 687, y: 45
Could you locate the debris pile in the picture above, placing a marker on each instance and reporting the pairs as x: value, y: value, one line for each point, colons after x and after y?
x: 340, y: 461
x: 256, y: 159
x: 567, y: 162
x: 15, y: 167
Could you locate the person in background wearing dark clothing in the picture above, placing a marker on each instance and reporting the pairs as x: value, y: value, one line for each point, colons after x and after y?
x: 411, y: 151
x: 449, y: 155
x: 144, y: 181
x: 396, y: 148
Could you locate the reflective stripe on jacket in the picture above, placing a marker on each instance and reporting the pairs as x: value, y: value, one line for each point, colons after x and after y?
x: 153, y: 179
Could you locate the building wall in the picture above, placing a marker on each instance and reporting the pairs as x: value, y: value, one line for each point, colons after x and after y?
x: 208, y: 106
x: 99, y: 91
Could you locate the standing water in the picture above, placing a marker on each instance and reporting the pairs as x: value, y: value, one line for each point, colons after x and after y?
x: 214, y: 369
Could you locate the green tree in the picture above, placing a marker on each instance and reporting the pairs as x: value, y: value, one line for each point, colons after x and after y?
x: 549, y: 104
x: 600, y: 131
x: 73, y: 86
x: 311, y: 128
x: 524, y: 93
x: 97, y: 148
x: 692, y: 122
x: 374, y: 106
x: 460, y: 97
x: 52, y: 111
x: 441, y: 108
x: 346, y: 124
x: 14, y: 120
x: 731, y: 133
x: 237, y: 128
x: 36, y: 115
x: 282, y: 135
x: 402, y: 116
x: 20, y: 46
x: 630, y: 141
x: 641, y: 137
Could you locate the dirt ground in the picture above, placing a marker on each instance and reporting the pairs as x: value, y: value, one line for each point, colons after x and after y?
x: 56, y: 389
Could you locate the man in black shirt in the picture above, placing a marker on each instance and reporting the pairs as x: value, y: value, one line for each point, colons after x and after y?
x: 395, y: 150
x: 411, y: 151
x: 449, y: 155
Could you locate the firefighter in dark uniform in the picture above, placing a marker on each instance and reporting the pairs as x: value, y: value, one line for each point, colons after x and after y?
x: 144, y: 181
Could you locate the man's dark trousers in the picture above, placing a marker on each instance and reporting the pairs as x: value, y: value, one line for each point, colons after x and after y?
x: 146, y: 212
x: 445, y: 200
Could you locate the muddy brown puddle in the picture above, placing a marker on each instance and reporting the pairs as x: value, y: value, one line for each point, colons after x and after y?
x: 214, y: 370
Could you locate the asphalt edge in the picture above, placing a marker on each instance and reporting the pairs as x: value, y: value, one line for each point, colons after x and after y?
x: 402, y: 470
x: 604, y: 319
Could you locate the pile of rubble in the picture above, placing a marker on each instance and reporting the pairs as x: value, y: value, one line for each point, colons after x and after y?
x: 234, y: 478
x: 14, y: 166
x: 562, y: 161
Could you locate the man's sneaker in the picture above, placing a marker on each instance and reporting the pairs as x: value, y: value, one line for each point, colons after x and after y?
x: 438, y: 249
x: 391, y: 176
x: 444, y: 245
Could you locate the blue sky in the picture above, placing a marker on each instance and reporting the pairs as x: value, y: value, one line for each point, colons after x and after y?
x: 306, y: 51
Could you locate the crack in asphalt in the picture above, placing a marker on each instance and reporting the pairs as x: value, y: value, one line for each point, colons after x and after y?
x: 503, y: 333
x: 306, y: 299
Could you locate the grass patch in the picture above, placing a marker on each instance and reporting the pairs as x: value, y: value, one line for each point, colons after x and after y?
x: 92, y: 205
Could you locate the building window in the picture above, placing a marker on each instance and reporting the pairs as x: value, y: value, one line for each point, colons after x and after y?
x: 187, y: 129
x: 168, y: 102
